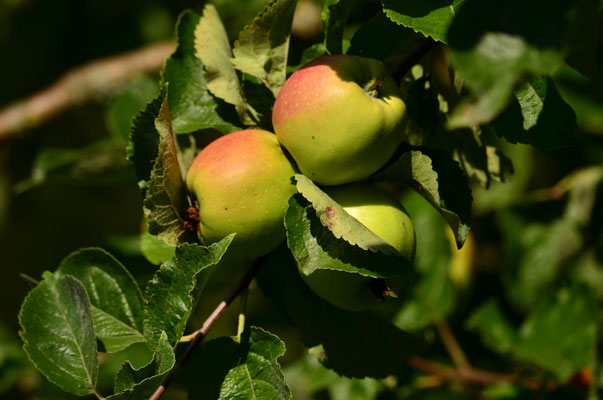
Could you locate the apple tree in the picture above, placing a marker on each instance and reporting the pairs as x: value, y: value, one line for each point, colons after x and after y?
x: 404, y: 139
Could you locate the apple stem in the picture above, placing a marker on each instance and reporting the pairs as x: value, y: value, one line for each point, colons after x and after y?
x: 372, y: 86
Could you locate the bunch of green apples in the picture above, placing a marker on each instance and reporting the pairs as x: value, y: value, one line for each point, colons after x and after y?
x: 340, y: 118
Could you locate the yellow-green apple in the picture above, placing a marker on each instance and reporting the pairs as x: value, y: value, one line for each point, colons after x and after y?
x: 385, y: 216
x: 242, y: 182
x: 341, y: 118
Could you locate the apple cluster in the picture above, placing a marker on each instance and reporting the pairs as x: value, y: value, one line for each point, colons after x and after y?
x: 340, y: 118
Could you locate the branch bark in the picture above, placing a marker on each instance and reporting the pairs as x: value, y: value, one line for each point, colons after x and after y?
x: 90, y: 81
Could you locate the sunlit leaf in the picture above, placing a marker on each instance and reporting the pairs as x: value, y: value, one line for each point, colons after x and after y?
x: 192, y: 106
x: 168, y: 295
x: 134, y: 384
x: 58, y: 333
x: 338, y: 221
x: 440, y: 181
x: 166, y: 201
x: 262, y: 47
x: 213, y: 48
x: 116, y: 301
x: 430, y: 17
x: 315, y: 247
x: 539, y: 117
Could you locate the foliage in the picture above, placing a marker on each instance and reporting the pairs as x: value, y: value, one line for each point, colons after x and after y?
x: 509, y: 248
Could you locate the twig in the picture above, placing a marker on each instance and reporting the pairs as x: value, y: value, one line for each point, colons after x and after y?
x: 90, y: 81
x: 470, y: 374
x: 207, y: 325
x: 452, y: 345
x: 442, y: 373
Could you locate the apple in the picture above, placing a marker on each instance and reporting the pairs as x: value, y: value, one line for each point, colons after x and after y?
x: 242, y: 182
x: 385, y: 216
x: 341, y: 117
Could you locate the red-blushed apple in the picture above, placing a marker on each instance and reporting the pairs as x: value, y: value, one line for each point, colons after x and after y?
x: 242, y: 182
x: 341, y: 118
x: 385, y: 216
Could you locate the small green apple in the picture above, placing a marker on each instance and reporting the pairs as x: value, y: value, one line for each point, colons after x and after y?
x: 242, y: 182
x: 385, y: 216
x: 341, y: 118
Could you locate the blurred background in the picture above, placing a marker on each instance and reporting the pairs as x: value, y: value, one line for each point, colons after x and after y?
x: 65, y: 183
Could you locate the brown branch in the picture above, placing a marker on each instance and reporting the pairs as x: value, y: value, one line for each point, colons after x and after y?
x: 207, y: 325
x: 464, y: 371
x: 90, y: 81
x: 470, y: 374
x: 441, y: 374
x: 452, y: 345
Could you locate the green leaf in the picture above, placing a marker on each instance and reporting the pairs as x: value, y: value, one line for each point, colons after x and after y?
x: 144, y: 140
x: 357, y: 389
x: 582, y: 185
x: 124, y: 107
x: 492, y: 325
x: 260, y: 100
x: 589, y: 272
x: 494, y: 55
x: 59, y: 335
x: 539, y: 117
x: 192, y: 107
x: 309, y: 54
x: 537, y: 253
x: 168, y: 295
x: 338, y: 221
x: 155, y: 250
x: 352, y: 344
x: 262, y: 47
x: 334, y: 16
x: 433, y: 296
x: 471, y: 148
x: 102, y: 162
x: 502, y: 195
x: 368, y: 39
x: 115, y: 299
x: 315, y: 247
x: 492, y: 70
x: 307, y: 377
x: 241, y: 368
x: 213, y: 48
x: 166, y: 201
x: 559, y: 335
x: 441, y: 182
x: 135, y: 384
x: 430, y: 17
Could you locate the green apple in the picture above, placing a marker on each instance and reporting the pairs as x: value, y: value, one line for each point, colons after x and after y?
x: 385, y: 216
x: 341, y: 118
x: 242, y: 182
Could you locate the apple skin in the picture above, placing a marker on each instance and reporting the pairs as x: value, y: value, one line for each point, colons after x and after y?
x: 336, y: 132
x: 385, y: 216
x: 242, y: 182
